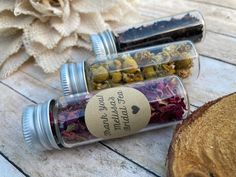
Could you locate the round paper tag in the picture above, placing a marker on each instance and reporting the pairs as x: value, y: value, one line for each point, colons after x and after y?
x: 117, y: 112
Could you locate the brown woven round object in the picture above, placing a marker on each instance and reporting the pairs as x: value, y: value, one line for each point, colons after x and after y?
x: 204, y: 145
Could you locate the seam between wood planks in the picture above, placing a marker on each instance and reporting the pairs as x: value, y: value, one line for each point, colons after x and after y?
x: 130, y: 159
x: 19, y: 93
x: 214, y: 4
x: 223, y: 34
x: 194, y: 106
x: 1, y: 153
x: 147, y: 14
x: 217, y: 59
x: 40, y: 80
x: 110, y: 148
x: 106, y: 146
x: 200, y: 53
x: 207, y: 30
x: 13, y: 164
x: 102, y: 143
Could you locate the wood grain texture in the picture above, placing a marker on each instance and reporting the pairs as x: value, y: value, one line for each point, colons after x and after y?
x: 218, y: 46
x: 40, y: 91
x: 216, y: 79
x: 218, y: 19
x: 93, y: 160
x: 143, y: 144
x: 226, y: 3
x: 155, y: 143
x: 51, y: 80
x: 7, y: 169
x: 206, y: 88
x: 148, y: 149
x: 219, y: 42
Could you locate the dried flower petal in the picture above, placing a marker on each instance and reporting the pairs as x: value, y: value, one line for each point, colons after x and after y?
x: 167, y: 108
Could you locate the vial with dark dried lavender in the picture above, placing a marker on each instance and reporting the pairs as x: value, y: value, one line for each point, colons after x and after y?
x: 184, y: 26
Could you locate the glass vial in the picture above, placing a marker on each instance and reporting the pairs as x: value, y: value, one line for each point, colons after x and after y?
x: 179, y: 58
x: 186, y: 26
x: 64, y: 122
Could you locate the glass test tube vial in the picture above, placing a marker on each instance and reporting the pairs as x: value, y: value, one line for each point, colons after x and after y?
x: 179, y: 58
x: 185, y: 26
x: 64, y: 122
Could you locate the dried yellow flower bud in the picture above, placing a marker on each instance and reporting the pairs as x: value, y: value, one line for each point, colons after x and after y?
x: 165, y: 56
x: 116, y: 77
x: 115, y: 65
x: 149, y: 72
x: 138, y: 76
x: 99, y: 86
x: 169, y: 68
x: 100, y: 74
x: 118, y: 64
x: 130, y: 65
x: 183, y: 73
x: 184, y: 64
x: 128, y: 77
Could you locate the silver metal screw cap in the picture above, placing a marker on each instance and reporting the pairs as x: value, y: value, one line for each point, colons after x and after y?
x: 37, y: 129
x: 103, y: 45
x: 73, y: 78
x: 97, y: 46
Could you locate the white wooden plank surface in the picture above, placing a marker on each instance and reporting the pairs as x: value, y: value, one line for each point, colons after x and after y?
x: 206, y: 88
x: 218, y: 46
x: 210, y: 85
x: 93, y: 160
x: 226, y: 3
x: 40, y: 91
x: 148, y: 149
x: 218, y: 19
x: 216, y: 79
x: 215, y: 45
x: 7, y: 169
